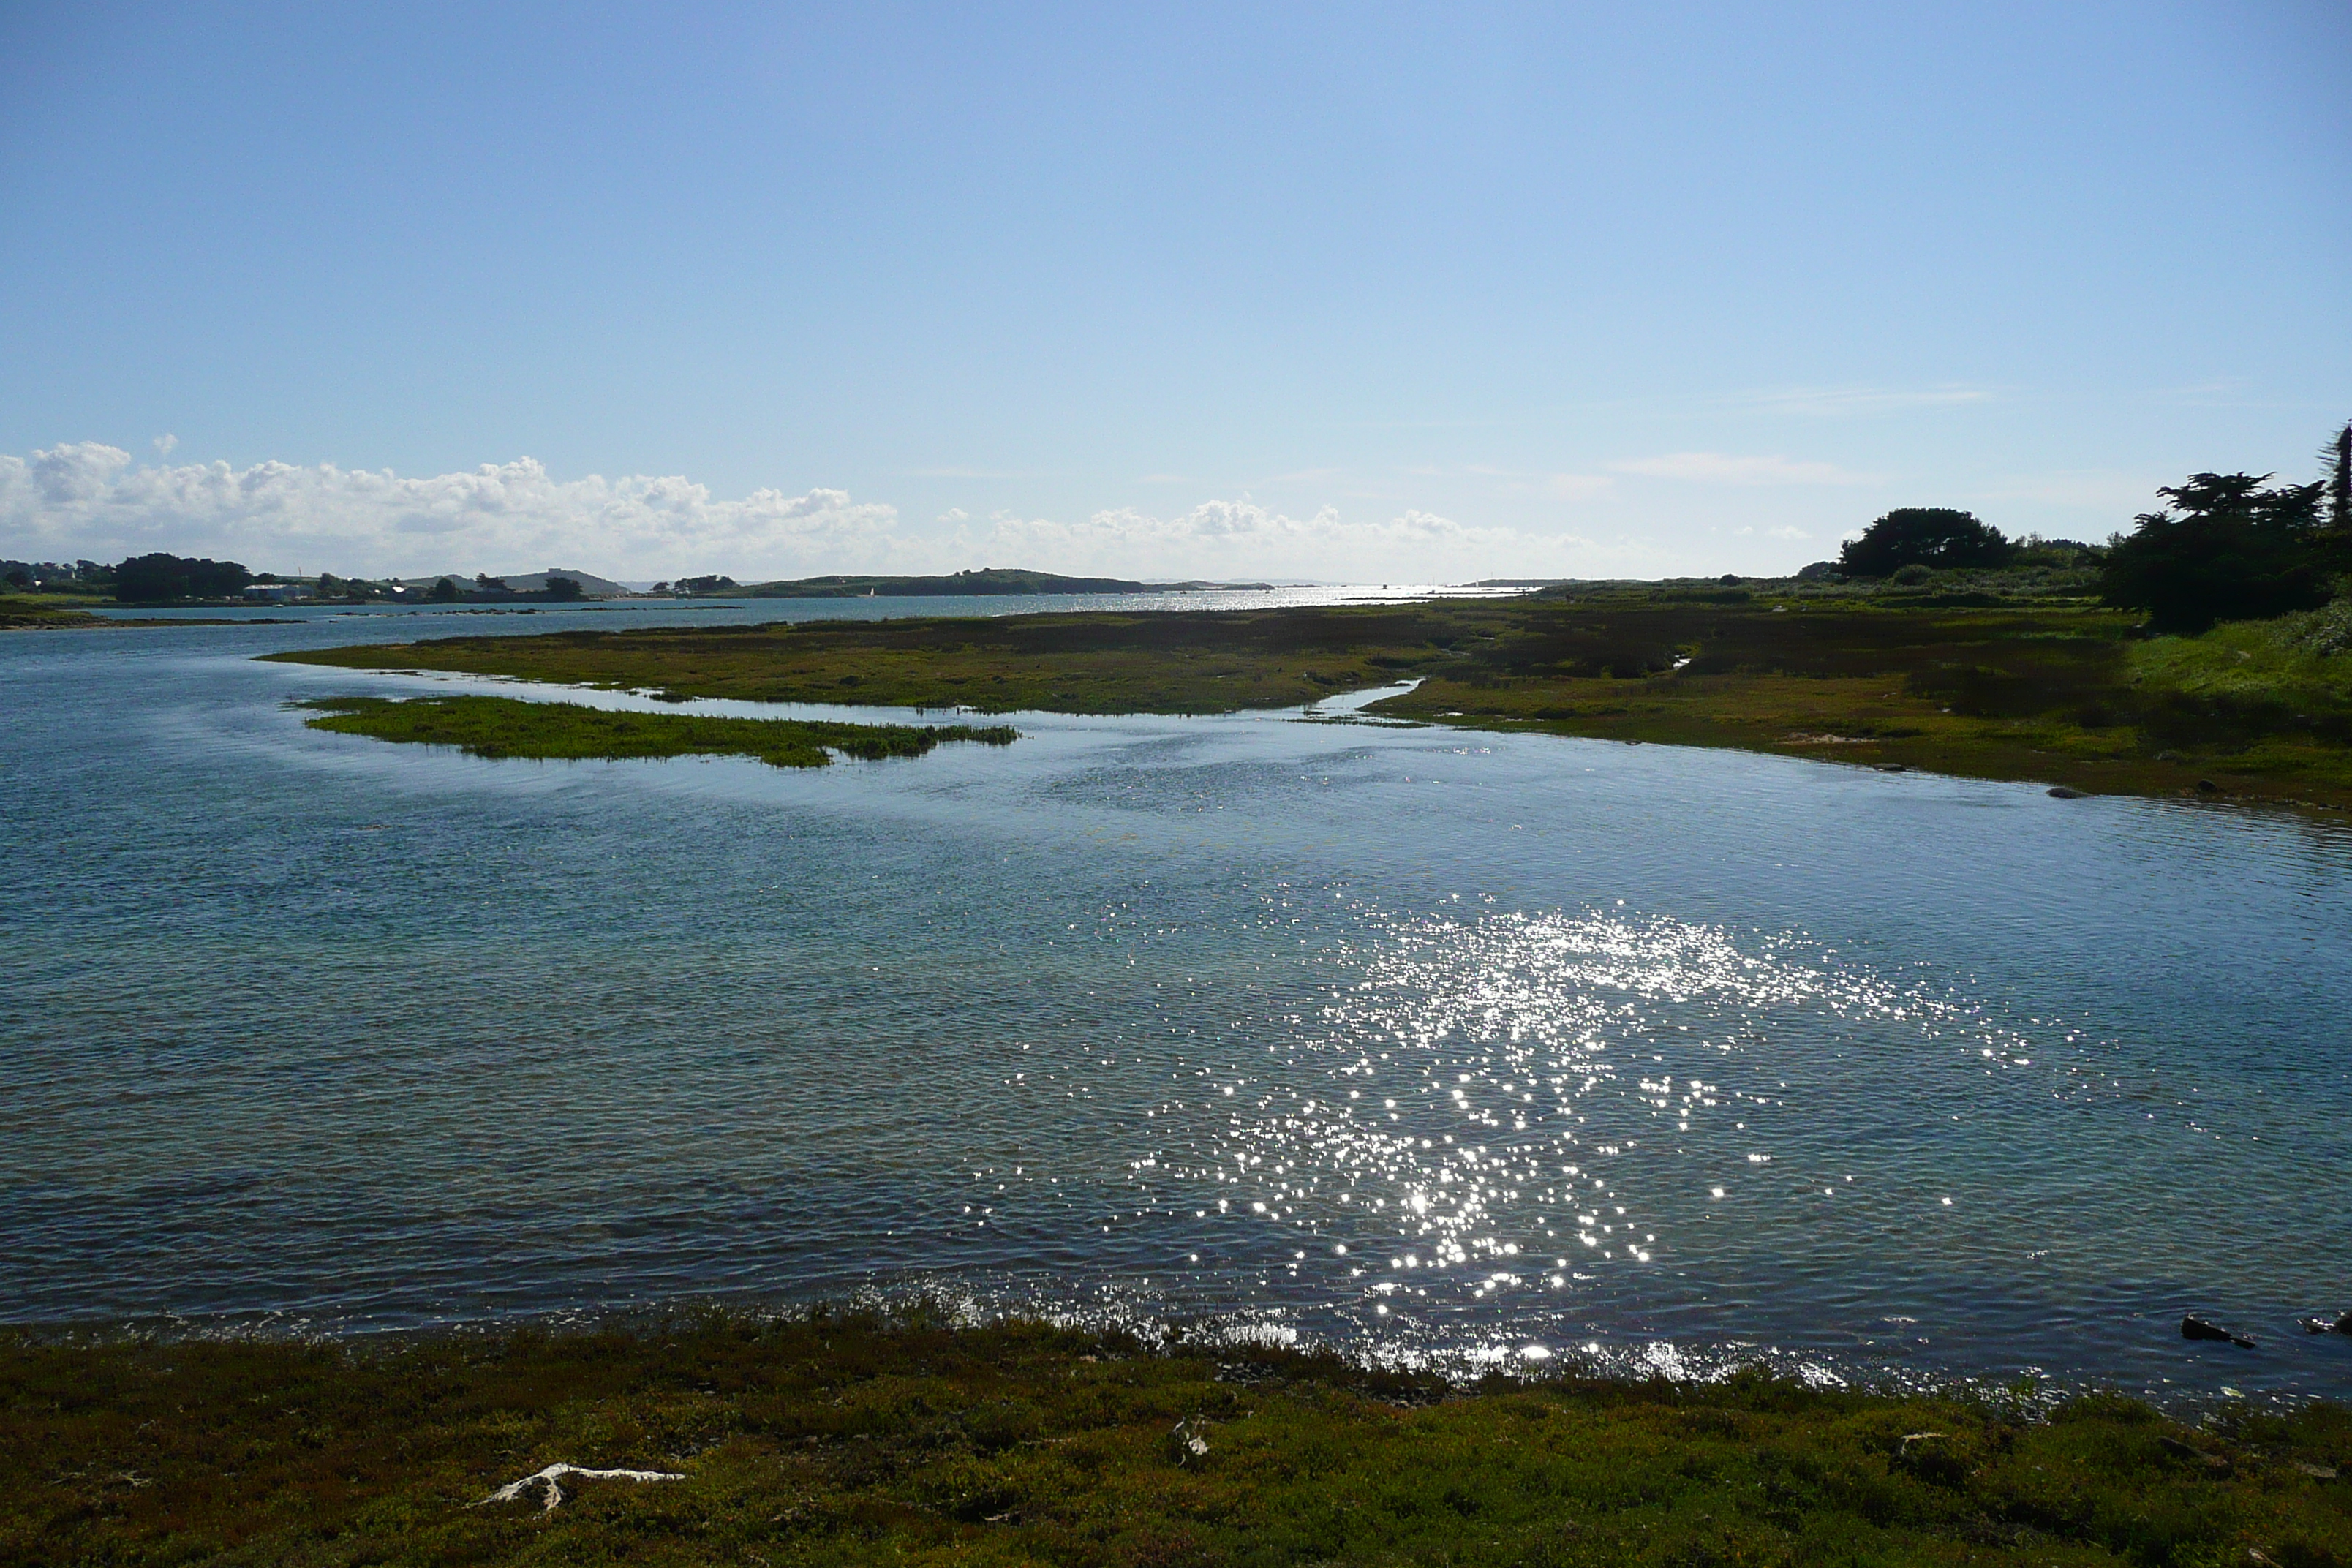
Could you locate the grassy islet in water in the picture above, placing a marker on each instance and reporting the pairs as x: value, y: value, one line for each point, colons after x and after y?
x: 33, y: 611
x: 2062, y: 693
x: 506, y: 727
x: 836, y: 1439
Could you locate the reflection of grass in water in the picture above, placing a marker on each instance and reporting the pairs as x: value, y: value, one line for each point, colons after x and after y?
x: 2059, y: 693
x: 841, y: 1440
x: 506, y: 727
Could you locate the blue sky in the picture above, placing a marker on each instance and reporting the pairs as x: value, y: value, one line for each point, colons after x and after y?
x: 1335, y: 292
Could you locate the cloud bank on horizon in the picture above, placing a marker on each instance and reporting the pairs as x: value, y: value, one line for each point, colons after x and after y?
x: 88, y: 499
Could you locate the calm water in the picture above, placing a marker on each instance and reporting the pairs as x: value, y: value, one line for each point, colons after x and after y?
x: 1430, y: 1044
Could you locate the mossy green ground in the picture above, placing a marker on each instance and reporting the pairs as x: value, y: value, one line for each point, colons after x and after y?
x: 59, y: 611
x: 2048, y: 690
x: 31, y: 610
x: 1146, y: 663
x: 506, y: 727
x: 2062, y: 695
x: 844, y: 1439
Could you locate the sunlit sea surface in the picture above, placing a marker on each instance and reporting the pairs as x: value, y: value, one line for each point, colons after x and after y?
x: 1441, y: 1047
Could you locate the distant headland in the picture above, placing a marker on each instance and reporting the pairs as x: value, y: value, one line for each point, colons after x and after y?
x: 56, y: 593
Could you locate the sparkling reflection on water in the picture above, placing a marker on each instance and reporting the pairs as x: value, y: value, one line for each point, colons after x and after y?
x: 1425, y: 1045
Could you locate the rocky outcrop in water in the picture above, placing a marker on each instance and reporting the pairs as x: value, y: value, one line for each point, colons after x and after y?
x: 2193, y: 1327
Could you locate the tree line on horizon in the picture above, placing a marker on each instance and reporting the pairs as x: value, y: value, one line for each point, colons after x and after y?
x: 160, y: 577
x: 2222, y: 547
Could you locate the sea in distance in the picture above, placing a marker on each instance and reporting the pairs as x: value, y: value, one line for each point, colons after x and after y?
x: 1447, y: 1048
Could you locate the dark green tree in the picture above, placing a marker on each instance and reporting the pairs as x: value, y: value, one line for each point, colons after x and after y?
x: 561, y: 588
x: 159, y: 576
x: 2223, y: 548
x: 444, y: 592
x: 1930, y: 536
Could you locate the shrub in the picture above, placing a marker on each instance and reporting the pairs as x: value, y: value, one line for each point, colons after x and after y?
x: 1930, y: 536
x: 165, y: 576
x: 2061, y: 554
x: 2325, y: 632
x: 2223, y: 549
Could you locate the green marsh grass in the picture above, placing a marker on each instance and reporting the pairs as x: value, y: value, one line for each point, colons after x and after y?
x: 1159, y: 662
x: 37, y: 611
x: 2045, y: 689
x: 508, y: 727
x: 847, y: 1439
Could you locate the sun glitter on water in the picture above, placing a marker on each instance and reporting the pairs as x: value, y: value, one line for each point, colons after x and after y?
x: 1514, y: 1103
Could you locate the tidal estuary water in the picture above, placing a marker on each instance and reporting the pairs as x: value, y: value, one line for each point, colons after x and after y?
x: 1428, y: 1044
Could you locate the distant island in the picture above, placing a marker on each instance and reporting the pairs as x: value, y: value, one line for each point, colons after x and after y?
x: 50, y: 593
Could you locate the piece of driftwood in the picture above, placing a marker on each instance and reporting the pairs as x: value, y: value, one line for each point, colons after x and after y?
x: 553, y: 1475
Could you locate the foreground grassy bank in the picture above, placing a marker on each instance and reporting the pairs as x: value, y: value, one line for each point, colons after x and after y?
x: 2048, y: 690
x: 506, y: 727
x: 847, y: 1440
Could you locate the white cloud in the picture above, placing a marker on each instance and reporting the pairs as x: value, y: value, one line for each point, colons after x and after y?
x: 1721, y: 468
x: 87, y: 500
x: 164, y: 443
